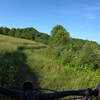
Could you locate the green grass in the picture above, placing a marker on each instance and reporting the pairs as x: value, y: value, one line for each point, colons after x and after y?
x: 32, y: 63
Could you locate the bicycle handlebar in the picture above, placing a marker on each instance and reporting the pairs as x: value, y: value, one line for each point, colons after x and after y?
x: 87, y: 92
x: 30, y: 94
x: 12, y: 93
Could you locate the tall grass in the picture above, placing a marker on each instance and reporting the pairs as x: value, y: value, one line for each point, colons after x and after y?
x: 32, y: 62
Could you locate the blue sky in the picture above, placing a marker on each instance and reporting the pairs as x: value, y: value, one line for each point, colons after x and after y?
x: 80, y: 17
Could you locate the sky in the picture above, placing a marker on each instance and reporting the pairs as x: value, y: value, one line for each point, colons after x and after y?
x: 81, y: 18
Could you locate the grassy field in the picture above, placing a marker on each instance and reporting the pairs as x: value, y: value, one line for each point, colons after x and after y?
x: 33, y: 63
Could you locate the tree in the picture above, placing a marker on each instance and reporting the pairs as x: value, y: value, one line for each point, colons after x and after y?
x: 89, y: 55
x: 4, y: 30
x: 18, y: 33
x: 59, y: 36
x: 12, y: 32
x: 0, y: 30
x: 42, y: 37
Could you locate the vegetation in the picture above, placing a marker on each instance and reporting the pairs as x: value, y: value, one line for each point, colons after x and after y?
x: 64, y: 64
x: 59, y: 36
x: 26, y: 33
x: 74, y: 52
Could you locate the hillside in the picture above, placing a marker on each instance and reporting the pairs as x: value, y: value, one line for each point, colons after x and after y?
x: 29, y: 54
x: 22, y: 60
x: 29, y: 33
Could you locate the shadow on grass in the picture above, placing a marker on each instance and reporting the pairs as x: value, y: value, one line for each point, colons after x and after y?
x: 31, y: 48
x: 14, y: 70
x: 28, y: 44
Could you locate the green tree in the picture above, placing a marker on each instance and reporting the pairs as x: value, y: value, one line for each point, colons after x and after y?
x: 12, y: 32
x: 42, y: 37
x: 4, y: 30
x: 89, y: 55
x: 0, y: 30
x: 59, y: 36
x: 18, y: 33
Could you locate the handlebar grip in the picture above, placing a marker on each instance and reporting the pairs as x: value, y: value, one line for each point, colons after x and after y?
x: 96, y: 92
x: 93, y: 92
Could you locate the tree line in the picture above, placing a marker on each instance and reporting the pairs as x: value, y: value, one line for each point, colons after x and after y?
x: 25, y: 33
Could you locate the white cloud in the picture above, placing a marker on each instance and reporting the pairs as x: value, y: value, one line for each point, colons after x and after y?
x: 92, y: 16
x: 94, y: 8
x: 92, y: 12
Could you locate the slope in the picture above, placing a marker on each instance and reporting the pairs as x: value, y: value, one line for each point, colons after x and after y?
x: 22, y: 60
